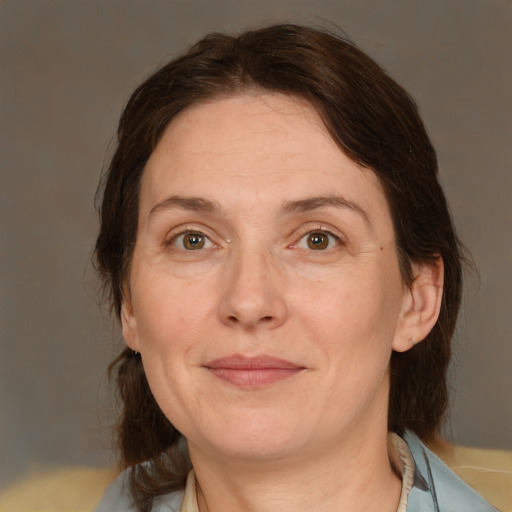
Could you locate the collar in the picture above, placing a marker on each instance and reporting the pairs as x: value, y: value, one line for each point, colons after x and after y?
x: 399, y: 455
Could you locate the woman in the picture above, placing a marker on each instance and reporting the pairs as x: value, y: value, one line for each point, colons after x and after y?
x: 281, y: 256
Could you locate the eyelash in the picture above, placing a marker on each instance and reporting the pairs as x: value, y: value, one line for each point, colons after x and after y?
x: 189, y: 232
x: 172, y: 242
x: 319, y: 231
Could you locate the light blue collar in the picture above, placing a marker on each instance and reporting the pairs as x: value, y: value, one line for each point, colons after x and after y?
x: 436, y: 488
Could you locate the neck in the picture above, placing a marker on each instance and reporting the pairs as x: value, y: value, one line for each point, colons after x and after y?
x: 355, y: 475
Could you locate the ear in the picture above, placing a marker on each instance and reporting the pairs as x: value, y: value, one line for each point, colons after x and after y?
x: 421, y: 305
x: 129, y: 324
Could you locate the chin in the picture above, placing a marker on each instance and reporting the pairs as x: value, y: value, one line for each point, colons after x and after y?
x: 260, y: 437
x: 263, y: 448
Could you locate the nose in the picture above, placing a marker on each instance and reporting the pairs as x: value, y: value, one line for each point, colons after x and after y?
x: 252, y: 295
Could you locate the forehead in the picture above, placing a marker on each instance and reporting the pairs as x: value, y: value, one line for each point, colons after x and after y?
x: 264, y: 124
x: 254, y: 146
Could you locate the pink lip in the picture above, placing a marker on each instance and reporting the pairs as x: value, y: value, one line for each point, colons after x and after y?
x: 252, y: 372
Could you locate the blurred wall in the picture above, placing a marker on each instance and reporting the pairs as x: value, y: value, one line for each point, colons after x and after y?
x: 67, y: 68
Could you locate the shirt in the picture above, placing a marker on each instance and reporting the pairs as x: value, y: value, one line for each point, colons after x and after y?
x: 428, y: 485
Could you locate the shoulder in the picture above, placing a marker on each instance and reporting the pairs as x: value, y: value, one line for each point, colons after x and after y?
x: 117, y: 498
x: 436, y: 487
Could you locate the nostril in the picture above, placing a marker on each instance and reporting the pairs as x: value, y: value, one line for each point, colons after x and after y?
x: 233, y: 319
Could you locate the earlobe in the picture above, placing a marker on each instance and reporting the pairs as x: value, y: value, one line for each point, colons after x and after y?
x: 129, y: 325
x: 421, y: 306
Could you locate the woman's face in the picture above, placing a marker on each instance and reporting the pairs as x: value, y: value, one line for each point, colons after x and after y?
x: 265, y: 295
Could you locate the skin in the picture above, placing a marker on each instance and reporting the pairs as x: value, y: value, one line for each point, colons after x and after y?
x: 235, y: 271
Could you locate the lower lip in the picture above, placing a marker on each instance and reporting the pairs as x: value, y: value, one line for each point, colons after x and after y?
x: 254, y: 377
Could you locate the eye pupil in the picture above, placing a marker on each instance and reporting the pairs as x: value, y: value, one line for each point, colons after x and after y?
x: 193, y: 241
x: 318, y: 241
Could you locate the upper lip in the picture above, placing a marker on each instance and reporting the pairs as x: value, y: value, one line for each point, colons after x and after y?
x: 238, y: 362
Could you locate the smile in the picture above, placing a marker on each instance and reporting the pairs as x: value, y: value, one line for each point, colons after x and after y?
x: 252, y: 372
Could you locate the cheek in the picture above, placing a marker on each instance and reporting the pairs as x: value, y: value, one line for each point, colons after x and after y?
x: 352, y: 318
x: 172, y: 333
x: 365, y: 307
x: 171, y: 313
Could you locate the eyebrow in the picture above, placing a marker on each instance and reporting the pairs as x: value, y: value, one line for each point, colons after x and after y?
x: 200, y: 204
x: 196, y: 204
x: 316, y: 203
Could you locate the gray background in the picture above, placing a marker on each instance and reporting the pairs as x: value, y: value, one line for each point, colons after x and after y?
x: 68, y: 66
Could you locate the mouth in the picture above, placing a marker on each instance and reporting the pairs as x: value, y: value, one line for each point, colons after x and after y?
x: 252, y: 372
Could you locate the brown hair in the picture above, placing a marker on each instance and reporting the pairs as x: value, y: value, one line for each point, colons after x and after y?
x: 373, y: 121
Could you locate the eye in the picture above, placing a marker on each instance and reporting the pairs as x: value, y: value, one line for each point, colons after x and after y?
x: 191, y: 241
x: 318, y: 241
